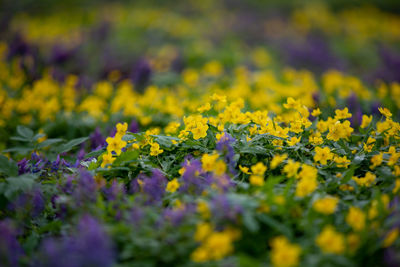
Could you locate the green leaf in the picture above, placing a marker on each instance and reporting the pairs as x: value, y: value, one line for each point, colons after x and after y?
x: 127, y: 156
x: 71, y: 144
x: 49, y: 142
x: 276, y: 225
x: 8, y: 167
x: 25, y: 132
x: 165, y: 141
x: 18, y: 184
x: 95, y: 153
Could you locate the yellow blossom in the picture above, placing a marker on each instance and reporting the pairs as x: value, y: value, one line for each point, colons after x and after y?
x: 330, y: 241
x: 376, y: 160
x: 121, y: 129
x: 366, y: 120
x: 115, y: 144
x: 155, y: 149
x: 326, y: 205
x: 391, y: 237
x: 342, y: 114
x: 172, y: 186
x: 256, y: 180
x: 277, y: 159
x: 316, y: 112
x: 356, y: 218
x: 291, y: 168
x: 284, y: 253
x: 107, y: 159
x: 259, y: 169
x: 306, y: 186
x: 323, y: 155
x: 385, y: 112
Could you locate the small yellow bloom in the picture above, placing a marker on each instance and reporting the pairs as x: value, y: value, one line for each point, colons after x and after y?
x: 259, y: 169
x: 277, y: 159
x: 121, y: 129
x: 323, y: 155
x: 391, y: 237
x: 257, y: 180
x: 172, y: 186
x: 155, y: 149
x: 330, y: 241
x: 342, y: 114
x: 316, y: 112
x: 385, y: 112
x: 244, y: 169
x: 284, y: 253
x: 366, y: 120
x: 326, y: 205
x: 356, y: 219
x: 107, y: 159
x: 115, y: 144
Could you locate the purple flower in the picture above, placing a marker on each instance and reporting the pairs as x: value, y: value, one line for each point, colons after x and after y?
x: 223, y: 208
x: 154, y: 186
x: 89, y: 245
x: 97, y: 140
x: 10, y: 249
x: 86, y: 189
x: 133, y: 127
x: 141, y: 73
x: 225, y: 146
x: 23, y: 166
x: 194, y: 179
x: 113, y: 191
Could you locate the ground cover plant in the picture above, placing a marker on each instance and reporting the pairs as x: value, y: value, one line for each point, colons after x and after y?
x: 132, y: 135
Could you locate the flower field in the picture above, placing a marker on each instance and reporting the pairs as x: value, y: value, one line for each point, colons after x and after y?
x: 208, y: 134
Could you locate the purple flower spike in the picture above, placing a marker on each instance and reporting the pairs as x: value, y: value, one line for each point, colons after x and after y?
x: 10, y: 250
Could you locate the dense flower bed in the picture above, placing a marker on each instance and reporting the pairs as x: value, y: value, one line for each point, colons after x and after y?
x: 220, y: 163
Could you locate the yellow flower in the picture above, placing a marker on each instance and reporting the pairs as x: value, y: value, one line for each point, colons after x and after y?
x: 293, y: 141
x: 172, y: 185
x: 356, y: 219
x: 202, y: 231
x: 291, y: 168
x: 369, y: 144
x: 257, y: 180
x: 203, y: 209
x: 284, y: 253
x: 259, y: 169
x: 367, y: 180
x: 219, y: 167
x: 155, y: 149
x: 291, y: 103
x: 107, y: 159
x: 121, y: 129
x: 342, y: 114
x: 115, y: 144
x: 353, y: 242
x: 208, y: 161
x: 330, y: 241
x: 376, y: 160
x: 323, y: 155
x: 385, y: 112
x: 326, y: 205
x: 215, y: 245
x: 277, y: 159
x: 308, y: 171
x: 306, y: 186
x: 205, y: 107
x: 366, y: 120
x: 244, y: 169
x: 316, y: 112
x: 396, y: 188
x: 391, y: 237
x: 342, y: 162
